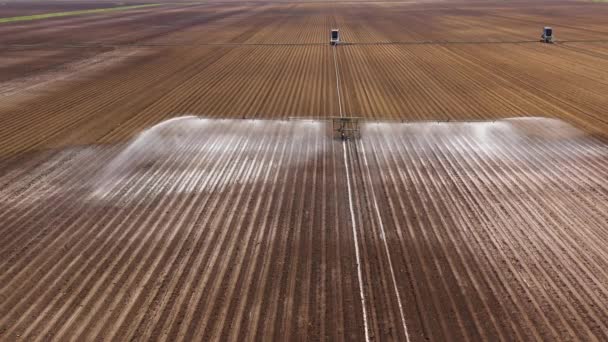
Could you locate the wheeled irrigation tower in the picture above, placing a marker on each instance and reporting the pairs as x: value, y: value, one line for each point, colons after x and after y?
x: 547, y: 36
x: 346, y: 127
x: 334, y: 37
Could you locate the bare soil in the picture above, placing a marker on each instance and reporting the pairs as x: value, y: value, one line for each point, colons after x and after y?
x: 238, y: 229
x: 117, y: 222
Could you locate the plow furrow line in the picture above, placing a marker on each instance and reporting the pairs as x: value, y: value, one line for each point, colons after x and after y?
x: 356, y: 240
x: 203, y: 244
x: 383, y: 237
x: 523, y: 214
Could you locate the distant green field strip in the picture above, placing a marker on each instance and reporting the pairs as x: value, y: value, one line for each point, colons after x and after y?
x: 65, y: 14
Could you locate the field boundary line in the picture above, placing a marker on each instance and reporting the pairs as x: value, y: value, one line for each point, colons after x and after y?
x: 386, y: 249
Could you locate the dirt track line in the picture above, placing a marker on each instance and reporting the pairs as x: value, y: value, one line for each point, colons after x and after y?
x: 435, y: 326
x: 463, y: 311
x: 383, y: 238
x: 459, y: 219
x: 356, y: 240
x: 351, y: 205
x: 337, y: 80
x: 428, y: 195
x: 405, y: 253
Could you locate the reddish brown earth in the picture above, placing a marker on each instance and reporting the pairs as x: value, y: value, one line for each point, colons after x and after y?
x: 117, y: 222
x: 404, y: 61
x: 497, y: 227
x: 233, y: 229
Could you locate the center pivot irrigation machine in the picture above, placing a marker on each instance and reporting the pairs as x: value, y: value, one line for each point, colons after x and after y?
x: 334, y: 37
x: 346, y: 128
x: 547, y: 36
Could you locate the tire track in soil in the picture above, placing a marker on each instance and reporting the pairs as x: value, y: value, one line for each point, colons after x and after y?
x: 485, y: 289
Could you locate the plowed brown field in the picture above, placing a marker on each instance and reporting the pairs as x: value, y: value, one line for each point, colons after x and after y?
x: 122, y: 72
x: 153, y: 185
x: 233, y: 229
